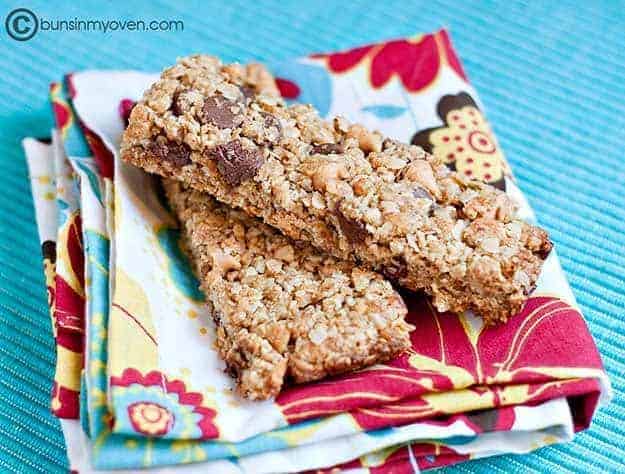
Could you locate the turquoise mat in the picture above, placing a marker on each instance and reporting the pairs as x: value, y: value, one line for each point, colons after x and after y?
x: 552, y: 77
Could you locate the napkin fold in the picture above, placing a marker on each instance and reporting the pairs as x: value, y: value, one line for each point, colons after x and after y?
x: 134, y: 336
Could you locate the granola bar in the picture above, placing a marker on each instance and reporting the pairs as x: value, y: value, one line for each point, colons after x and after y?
x: 347, y: 190
x: 284, y: 310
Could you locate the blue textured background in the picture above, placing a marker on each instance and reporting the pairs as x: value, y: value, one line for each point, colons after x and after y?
x: 552, y: 76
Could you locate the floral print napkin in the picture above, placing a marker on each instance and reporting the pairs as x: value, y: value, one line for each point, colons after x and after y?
x: 123, y: 296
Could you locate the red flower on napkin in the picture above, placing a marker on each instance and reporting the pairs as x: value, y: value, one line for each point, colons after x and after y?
x: 417, y: 62
x: 158, y: 405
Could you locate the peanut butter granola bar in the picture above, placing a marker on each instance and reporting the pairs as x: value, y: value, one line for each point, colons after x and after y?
x: 347, y: 190
x: 284, y: 309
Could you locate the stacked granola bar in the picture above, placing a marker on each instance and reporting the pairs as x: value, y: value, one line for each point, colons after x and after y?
x: 284, y: 309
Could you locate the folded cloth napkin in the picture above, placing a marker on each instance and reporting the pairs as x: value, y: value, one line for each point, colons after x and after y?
x: 153, y: 388
x: 59, y: 227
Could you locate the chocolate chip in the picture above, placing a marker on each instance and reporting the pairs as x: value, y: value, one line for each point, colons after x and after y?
x: 235, y: 163
x: 327, y: 149
x: 217, y: 111
x: 546, y: 248
x: 217, y: 318
x: 421, y: 193
x: 232, y: 370
x: 179, y: 154
x: 388, y: 143
x: 178, y: 104
x: 271, y: 122
x: 396, y: 270
x: 248, y: 92
x: 354, y: 231
x: 433, y: 208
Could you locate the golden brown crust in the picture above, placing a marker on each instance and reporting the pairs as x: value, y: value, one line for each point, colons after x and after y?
x: 347, y: 190
x: 284, y: 309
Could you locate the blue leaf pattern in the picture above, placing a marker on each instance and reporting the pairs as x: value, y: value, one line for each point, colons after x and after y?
x: 313, y: 81
x: 385, y: 111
